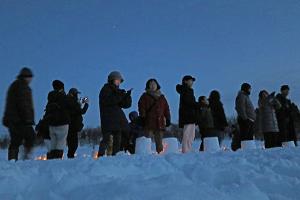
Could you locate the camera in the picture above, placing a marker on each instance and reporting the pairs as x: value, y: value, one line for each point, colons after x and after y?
x: 85, y: 100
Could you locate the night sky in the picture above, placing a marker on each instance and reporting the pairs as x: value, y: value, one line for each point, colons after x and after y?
x: 221, y: 43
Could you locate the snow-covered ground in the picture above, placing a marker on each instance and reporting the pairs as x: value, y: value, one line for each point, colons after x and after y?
x: 254, y: 175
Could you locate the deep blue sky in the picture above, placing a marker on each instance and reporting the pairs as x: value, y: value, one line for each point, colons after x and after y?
x: 221, y: 43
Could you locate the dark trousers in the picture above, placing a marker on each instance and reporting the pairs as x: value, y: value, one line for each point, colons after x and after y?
x: 271, y: 140
x: 246, y: 129
x: 287, y: 131
x: 117, y: 140
x: 20, y: 135
x: 157, y: 136
x: 72, y: 141
x: 204, y: 134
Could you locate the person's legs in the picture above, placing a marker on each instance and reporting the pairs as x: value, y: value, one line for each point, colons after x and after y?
x: 15, y: 142
x: 29, y: 138
x: 104, y: 143
x: 62, y: 133
x: 117, y: 140
x: 72, y: 141
x: 158, y: 135
x: 188, y: 137
x: 203, y: 135
x: 268, y: 140
x: 246, y: 129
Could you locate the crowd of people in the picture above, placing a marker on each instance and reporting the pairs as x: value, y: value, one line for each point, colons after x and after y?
x: 63, y: 117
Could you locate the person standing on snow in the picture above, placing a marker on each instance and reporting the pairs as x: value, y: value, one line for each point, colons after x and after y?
x: 58, y: 117
x: 267, y: 121
x: 136, y: 130
x: 19, y: 114
x: 205, y: 120
x: 246, y: 113
x: 187, y: 112
x: 218, y: 113
x: 155, y: 113
x: 112, y: 100
x: 76, y: 123
x: 285, y: 117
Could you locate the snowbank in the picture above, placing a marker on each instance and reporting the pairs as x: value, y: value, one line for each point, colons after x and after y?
x: 256, y: 174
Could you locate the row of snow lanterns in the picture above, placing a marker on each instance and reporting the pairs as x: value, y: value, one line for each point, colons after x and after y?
x: 171, y: 145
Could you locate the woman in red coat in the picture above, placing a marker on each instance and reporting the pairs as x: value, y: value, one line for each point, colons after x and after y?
x: 155, y: 113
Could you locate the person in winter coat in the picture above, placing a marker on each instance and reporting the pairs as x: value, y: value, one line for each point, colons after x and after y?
x: 285, y: 117
x: 19, y: 115
x: 136, y: 130
x: 267, y: 120
x: 155, y: 113
x: 187, y: 112
x: 218, y: 113
x: 246, y: 113
x: 58, y: 117
x: 205, y: 120
x: 76, y: 123
x: 42, y: 130
x: 112, y: 101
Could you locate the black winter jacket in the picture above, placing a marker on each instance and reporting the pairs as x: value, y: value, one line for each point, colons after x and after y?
x: 187, y: 105
x: 19, y: 105
x: 76, y: 112
x: 111, y: 102
x: 57, y: 113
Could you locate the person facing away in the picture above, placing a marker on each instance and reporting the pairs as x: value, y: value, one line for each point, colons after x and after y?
x: 19, y: 115
x: 58, y: 117
x: 267, y: 120
x: 187, y: 112
x: 285, y: 117
x: 136, y: 130
x: 76, y: 120
x: 112, y: 101
x: 218, y: 113
x: 155, y: 112
x: 205, y: 120
x: 246, y: 112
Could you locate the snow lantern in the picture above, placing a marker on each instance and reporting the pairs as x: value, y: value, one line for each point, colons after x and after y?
x: 143, y: 146
x: 211, y: 144
x: 248, y: 144
x: 170, y: 145
x: 288, y: 144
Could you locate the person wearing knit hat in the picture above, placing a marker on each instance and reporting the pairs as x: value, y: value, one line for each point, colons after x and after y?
x: 112, y: 101
x: 285, y: 117
x: 19, y: 115
x: 58, y: 117
x: 246, y: 115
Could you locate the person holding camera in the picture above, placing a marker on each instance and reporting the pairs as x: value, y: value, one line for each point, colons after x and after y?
x: 76, y: 120
x: 112, y: 101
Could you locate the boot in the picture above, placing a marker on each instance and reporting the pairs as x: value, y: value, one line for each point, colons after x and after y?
x: 13, y: 154
x: 50, y: 155
x: 60, y: 154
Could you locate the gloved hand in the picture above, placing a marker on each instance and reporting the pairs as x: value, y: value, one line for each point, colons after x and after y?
x: 168, y: 122
x: 128, y: 93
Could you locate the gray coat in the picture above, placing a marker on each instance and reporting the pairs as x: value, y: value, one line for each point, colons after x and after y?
x: 244, y: 106
x: 267, y: 120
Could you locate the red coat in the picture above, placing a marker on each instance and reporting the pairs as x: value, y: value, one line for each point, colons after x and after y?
x: 155, y: 119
